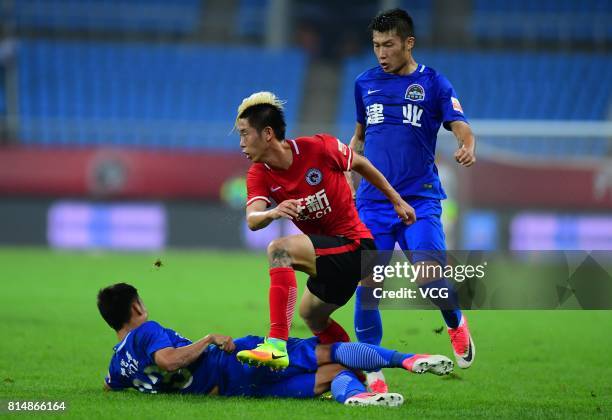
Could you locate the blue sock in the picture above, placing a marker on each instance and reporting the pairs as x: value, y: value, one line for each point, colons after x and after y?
x: 366, y: 356
x: 448, y: 306
x: 368, y: 325
x: 345, y: 385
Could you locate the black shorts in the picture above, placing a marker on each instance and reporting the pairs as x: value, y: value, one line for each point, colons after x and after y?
x: 339, y: 267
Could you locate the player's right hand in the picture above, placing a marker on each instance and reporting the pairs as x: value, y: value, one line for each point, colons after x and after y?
x: 287, y: 209
x: 465, y: 156
x: 224, y: 342
x: 405, y: 212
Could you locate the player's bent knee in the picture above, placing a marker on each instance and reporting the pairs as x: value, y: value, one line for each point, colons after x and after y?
x: 278, y: 253
x: 276, y: 245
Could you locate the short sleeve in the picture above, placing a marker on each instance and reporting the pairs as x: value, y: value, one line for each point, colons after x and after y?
x: 448, y: 103
x: 359, y: 106
x: 152, y: 337
x: 256, y: 186
x: 338, y: 154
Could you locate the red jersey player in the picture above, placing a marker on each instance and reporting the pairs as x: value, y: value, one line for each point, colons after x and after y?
x: 305, y: 176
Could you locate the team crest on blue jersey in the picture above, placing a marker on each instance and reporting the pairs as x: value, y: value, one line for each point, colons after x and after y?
x: 415, y: 92
x: 314, y: 176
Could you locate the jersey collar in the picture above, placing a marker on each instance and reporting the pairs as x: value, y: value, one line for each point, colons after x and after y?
x: 294, y: 148
x: 120, y: 345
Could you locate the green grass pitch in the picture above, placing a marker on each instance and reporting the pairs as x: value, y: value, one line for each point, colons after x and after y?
x: 55, y: 346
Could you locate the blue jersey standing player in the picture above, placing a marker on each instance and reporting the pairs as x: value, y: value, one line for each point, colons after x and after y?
x: 400, y: 105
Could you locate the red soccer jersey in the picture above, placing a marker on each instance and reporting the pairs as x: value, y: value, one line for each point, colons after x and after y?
x: 315, y: 178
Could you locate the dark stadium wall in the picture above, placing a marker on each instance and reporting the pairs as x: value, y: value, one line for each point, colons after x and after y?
x: 554, y: 186
x: 137, y: 174
x: 116, y: 173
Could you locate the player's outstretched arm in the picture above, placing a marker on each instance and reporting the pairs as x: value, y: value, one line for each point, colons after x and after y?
x: 362, y: 166
x: 173, y: 358
x: 465, y: 155
x: 258, y: 217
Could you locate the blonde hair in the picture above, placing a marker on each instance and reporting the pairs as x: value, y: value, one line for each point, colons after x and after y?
x: 259, y: 98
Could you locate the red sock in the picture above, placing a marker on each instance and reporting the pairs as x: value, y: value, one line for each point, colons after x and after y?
x: 283, y: 294
x: 334, y: 333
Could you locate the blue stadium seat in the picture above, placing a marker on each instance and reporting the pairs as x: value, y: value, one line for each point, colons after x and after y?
x: 176, y: 16
x: 586, y: 20
x: 143, y: 95
x: 421, y: 12
x: 249, y: 18
x: 505, y: 85
x: 2, y: 101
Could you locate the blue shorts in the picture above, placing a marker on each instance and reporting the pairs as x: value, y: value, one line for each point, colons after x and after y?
x: 297, y: 381
x: 424, y: 240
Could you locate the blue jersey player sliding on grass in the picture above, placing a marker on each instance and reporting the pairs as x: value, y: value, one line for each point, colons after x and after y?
x: 400, y: 105
x: 154, y: 359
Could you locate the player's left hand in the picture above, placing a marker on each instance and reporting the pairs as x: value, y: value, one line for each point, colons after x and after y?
x: 405, y: 212
x: 465, y: 156
x: 224, y: 342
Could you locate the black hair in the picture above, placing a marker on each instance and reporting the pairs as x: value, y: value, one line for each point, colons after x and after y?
x: 265, y: 115
x: 115, y: 304
x: 397, y: 20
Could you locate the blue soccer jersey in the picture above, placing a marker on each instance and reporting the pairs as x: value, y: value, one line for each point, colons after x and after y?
x: 402, y: 115
x: 132, y: 366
